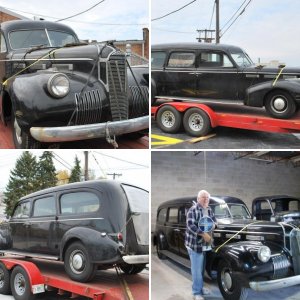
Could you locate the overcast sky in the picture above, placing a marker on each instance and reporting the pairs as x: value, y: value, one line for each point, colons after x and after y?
x: 268, y: 29
x: 90, y: 24
x: 135, y: 171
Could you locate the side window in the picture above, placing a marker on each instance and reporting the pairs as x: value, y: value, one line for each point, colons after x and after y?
x: 173, y: 215
x: 158, y: 59
x: 3, y: 47
x: 214, y: 59
x: 182, y: 214
x: 79, y: 202
x: 22, y: 210
x: 44, y: 207
x: 162, y: 215
x: 182, y: 59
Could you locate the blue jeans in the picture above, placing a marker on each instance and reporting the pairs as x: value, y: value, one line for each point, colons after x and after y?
x: 197, y: 260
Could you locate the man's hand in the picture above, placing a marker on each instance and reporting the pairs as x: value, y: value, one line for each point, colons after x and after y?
x: 206, y: 237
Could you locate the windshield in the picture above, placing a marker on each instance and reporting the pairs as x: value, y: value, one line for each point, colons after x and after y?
x: 138, y: 199
x: 38, y: 37
x: 242, y: 59
x: 235, y: 211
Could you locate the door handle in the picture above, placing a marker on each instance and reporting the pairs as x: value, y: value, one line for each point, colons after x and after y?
x: 177, y: 230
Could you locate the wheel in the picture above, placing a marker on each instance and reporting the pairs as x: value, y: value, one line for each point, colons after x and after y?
x: 20, y: 284
x: 21, y: 139
x: 158, y: 251
x: 280, y: 104
x: 4, y: 280
x: 169, y: 119
x: 196, y: 122
x: 230, y: 287
x: 132, y: 269
x: 78, y: 264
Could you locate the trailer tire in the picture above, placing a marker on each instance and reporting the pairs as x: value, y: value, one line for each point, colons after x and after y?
x: 169, y: 119
x: 132, y: 269
x: 20, y: 284
x: 78, y: 264
x: 196, y: 122
x: 4, y: 280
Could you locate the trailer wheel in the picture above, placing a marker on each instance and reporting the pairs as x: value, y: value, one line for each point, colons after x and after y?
x: 229, y: 286
x: 78, y: 264
x: 132, y: 269
x: 4, y: 280
x: 196, y: 122
x: 280, y: 104
x: 20, y: 284
x: 169, y: 119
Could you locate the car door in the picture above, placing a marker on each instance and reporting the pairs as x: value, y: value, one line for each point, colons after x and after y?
x: 42, y: 233
x: 19, y: 224
x: 182, y: 227
x: 172, y: 229
x: 179, y: 78
x: 217, y: 76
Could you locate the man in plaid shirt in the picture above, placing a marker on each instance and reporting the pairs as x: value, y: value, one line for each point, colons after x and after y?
x: 196, y: 239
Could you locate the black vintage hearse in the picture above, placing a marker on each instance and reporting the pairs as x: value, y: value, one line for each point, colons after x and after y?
x: 222, y: 72
x: 55, y: 88
x: 247, y: 253
x: 87, y: 225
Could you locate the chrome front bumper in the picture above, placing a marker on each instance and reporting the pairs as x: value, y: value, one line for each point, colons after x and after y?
x: 89, y: 131
x: 136, y: 259
x: 274, y: 284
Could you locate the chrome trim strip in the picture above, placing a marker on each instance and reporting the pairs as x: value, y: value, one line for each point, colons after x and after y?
x: 136, y: 259
x: 59, y: 220
x: 29, y: 254
x: 274, y: 284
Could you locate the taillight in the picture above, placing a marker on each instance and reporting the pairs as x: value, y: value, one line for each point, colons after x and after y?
x: 120, y: 236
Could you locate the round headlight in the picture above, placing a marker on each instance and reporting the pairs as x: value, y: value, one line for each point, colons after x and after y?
x: 58, y: 85
x: 264, y: 253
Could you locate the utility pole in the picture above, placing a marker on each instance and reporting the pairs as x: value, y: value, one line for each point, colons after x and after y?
x: 86, y: 165
x: 217, y: 22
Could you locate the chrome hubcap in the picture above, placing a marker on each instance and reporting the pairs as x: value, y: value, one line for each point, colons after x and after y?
x: 77, y: 262
x: 1, y: 279
x: 196, y: 122
x: 168, y: 119
x: 226, y: 280
x: 18, y: 132
x: 280, y: 104
x: 19, y: 284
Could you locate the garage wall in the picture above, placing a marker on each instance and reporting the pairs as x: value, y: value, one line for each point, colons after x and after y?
x: 178, y: 173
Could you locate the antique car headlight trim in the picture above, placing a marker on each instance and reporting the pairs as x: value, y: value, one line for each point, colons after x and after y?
x: 58, y: 85
x: 264, y: 254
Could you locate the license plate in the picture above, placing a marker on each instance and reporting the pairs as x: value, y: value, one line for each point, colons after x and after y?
x: 38, y: 288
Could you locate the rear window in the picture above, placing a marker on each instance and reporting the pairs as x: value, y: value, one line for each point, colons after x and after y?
x: 79, y: 203
x: 138, y: 199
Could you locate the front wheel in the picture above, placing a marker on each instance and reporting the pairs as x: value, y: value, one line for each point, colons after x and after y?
x: 20, y: 284
x: 229, y: 286
x: 169, y: 119
x: 196, y: 122
x: 78, y: 264
x: 132, y: 269
x: 280, y: 104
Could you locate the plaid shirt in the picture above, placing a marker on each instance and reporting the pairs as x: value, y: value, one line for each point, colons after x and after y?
x: 192, y: 238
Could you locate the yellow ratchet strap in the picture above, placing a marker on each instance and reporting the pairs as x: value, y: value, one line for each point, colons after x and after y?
x: 236, y: 235
x: 278, y: 75
x: 48, y: 54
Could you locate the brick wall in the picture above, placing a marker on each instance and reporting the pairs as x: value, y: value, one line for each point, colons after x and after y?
x: 177, y: 173
x: 6, y: 17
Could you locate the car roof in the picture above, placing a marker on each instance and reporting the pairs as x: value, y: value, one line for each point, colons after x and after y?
x: 275, y: 197
x: 195, y: 46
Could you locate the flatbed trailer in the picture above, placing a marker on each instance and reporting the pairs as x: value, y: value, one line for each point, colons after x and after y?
x: 26, y: 278
x: 199, y: 118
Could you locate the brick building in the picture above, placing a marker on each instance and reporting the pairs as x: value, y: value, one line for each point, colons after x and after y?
x: 7, y: 15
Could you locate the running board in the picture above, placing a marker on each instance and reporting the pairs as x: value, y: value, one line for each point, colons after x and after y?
x: 29, y: 254
x: 182, y: 261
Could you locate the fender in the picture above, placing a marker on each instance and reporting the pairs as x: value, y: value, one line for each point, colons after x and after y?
x: 99, y: 245
x: 256, y: 94
x: 161, y: 240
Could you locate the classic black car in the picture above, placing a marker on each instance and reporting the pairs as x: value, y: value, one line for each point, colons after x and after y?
x: 87, y: 225
x: 55, y: 88
x: 278, y: 208
x: 247, y: 253
x: 222, y: 72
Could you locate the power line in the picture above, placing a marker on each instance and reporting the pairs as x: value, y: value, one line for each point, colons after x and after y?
x: 212, y: 15
x: 64, y: 163
x: 244, y: 9
x: 160, y: 29
x: 80, y: 13
x: 174, y: 11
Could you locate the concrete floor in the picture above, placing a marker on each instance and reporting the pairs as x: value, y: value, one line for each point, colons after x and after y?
x: 171, y: 281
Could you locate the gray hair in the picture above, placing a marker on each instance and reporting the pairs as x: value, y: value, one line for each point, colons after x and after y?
x: 203, y: 193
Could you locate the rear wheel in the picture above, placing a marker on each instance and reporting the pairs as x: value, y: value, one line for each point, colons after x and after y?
x: 196, y: 122
x: 280, y: 104
x: 169, y: 119
x: 4, y: 280
x: 158, y: 251
x: 20, y: 284
x: 132, y: 269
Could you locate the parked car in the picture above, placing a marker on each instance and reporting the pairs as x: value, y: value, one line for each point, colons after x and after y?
x: 55, y: 88
x: 87, y: 225
x: 222, y: 72
x: 247, y: 253
x: 278, y: 208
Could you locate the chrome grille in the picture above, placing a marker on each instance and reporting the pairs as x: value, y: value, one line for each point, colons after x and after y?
x: 295, y: 249
x: 88, y: 107
x: 117, y: 82
x: 140, y: 100
x: 281, y: 266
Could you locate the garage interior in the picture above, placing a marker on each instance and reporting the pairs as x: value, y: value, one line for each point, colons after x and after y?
x: 243, y: 174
